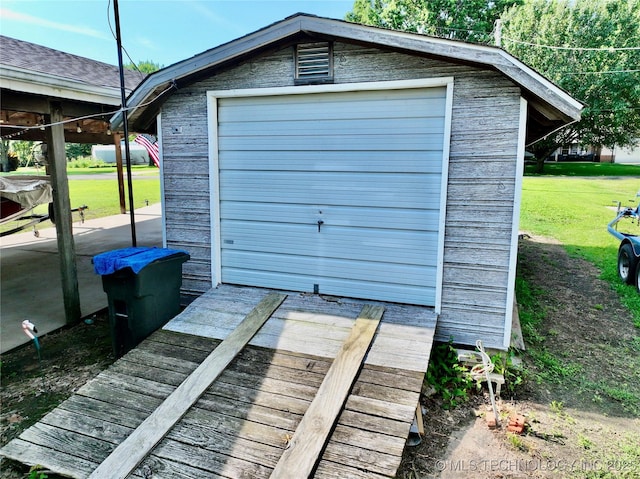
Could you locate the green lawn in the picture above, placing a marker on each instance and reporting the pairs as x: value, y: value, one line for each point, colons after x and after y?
x: 138, y: 170
x: 576, y: 212
x: 586, y: 169
x: 101, y: 195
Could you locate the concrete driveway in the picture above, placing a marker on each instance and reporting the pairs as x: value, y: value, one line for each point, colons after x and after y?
x: 30, y: 286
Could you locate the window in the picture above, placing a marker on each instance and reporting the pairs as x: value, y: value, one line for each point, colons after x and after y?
x: 314, y: 63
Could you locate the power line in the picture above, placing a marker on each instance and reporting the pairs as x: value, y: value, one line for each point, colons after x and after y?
x: 603, y: 72
x: 578, y: 49
x: 114, y: 37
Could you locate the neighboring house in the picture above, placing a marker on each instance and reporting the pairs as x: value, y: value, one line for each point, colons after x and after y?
x: 577, y: 152
x: 628, y: 155
x: 323, y: 156
x: 574, y: 152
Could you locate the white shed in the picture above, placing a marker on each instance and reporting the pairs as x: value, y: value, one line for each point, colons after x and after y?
x: 326, y: 157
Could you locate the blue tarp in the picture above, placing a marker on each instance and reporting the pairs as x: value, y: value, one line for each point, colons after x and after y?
x: 134, y: 258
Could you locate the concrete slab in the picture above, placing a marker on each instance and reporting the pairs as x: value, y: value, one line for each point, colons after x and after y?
x: 30, y: 285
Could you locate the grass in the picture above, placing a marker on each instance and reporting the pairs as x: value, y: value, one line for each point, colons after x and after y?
x: 576, y: 212
x: 101, y: 195
x: 586, y: 169
x: 138, y: 170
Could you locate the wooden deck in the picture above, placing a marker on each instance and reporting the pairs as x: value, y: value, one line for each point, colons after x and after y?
x: 246, y: 419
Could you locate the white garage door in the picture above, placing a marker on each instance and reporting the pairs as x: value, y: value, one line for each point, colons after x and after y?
x: 336, y: 193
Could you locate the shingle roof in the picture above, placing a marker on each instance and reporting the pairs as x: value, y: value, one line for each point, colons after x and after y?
x: 32, y: 57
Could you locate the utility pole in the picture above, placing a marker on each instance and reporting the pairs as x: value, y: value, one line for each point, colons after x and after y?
x: 125, y: 124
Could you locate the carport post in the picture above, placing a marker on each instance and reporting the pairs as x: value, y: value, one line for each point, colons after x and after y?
x: 117, y: 141
x: 62, y: 212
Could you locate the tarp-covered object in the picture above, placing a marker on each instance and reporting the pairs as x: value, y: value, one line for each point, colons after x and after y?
x: 28, y: 191
x: 20, y: 194
x: 135, y: 258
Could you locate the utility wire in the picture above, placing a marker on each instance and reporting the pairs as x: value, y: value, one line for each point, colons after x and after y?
x: 114, y: 37
x: 604, y: 72
x: 577, y: 49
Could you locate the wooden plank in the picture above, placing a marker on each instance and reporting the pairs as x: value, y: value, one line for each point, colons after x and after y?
x: 402, y: 341
x: 225, y: 466
x: 166, y: 468
x: 63, y: 463
x: 307, y: 443
x: 332, y: 470
x: 132, y: 451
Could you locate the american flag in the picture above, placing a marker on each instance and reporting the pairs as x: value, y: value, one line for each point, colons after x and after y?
x: 151, y: 144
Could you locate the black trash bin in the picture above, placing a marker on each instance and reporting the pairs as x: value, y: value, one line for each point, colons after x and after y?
x: 143, y: 291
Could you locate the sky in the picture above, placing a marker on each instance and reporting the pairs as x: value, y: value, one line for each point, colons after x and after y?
x: 162, y: 31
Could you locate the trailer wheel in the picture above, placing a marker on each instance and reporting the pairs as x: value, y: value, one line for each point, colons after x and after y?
x: 627, y: 264
x: 52, y: 216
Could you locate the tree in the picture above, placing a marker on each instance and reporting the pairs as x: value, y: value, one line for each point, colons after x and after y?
x: 591, y: 48
x: 145, y: 66
x: 24, y: 150
x: 74, y: 151
x: 4, y: 154
x: 469, y: 20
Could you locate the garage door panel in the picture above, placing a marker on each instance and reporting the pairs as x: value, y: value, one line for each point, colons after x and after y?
x: 416, y: 104
x: 331, y: 127
x: 363, y: 217
x: 337, y: 242
x: 330, y: 286
x: 368, y: 165
x: 380, y: 161
x: 353, y: 97
x: 351, y: 189
x: 345, y: 142
x: 345, y: 269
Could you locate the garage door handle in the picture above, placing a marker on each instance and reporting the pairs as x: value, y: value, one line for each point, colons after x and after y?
x: 320, y: 223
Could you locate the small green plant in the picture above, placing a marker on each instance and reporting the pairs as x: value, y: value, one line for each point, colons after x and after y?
x: 517, y: 442
x: 584, y: 442
x: 557, y: 407
x: 36, y: 472
x: 503, y: 363
x: 449, y: 379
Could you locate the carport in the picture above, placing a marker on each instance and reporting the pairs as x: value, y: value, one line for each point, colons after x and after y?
x: 55, y: 97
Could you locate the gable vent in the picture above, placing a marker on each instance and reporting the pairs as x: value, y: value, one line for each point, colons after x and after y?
x: 314, y: 62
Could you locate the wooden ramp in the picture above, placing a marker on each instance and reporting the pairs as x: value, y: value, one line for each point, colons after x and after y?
x: 263, y: 409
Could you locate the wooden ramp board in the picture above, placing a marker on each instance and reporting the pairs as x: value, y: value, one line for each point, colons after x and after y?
x: 243, y: 422
x: 138, y: 444
x: 403, y: 341
x: 303, y: 450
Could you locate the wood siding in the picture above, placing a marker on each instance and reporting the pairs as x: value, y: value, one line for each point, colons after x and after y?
x: 481, y: 189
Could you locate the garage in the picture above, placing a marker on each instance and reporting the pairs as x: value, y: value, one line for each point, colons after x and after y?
x: 332, y: 192
x: 318, y: 155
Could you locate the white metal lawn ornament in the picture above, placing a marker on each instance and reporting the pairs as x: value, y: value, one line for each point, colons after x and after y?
x: 30, y: 330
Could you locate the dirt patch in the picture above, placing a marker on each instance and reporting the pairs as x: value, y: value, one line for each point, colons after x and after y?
x: 32, y: 386
x: 575, y: 426
x: 579, y: 401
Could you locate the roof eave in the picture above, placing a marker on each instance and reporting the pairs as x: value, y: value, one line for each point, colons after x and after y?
x: 566, y: 108
x: 28, y: 81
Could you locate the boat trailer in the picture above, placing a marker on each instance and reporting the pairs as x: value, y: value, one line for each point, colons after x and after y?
x: 20, y: 195
x: 629, y: 250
